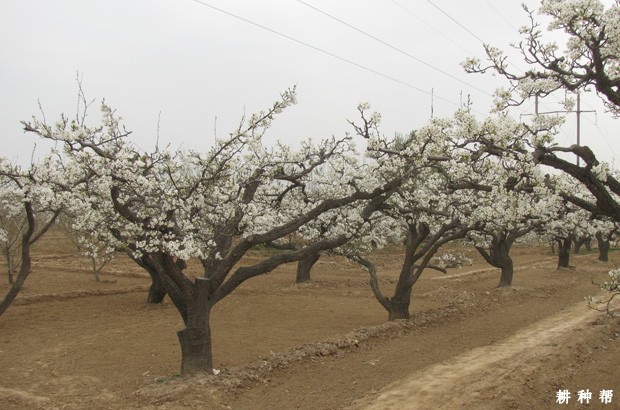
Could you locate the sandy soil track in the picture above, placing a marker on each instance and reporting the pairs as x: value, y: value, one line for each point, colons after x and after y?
x: 462, y: 381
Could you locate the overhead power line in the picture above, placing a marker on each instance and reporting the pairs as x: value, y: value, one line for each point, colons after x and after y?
x: 363, y: 67
x: 393, y: 47
x: 500, y: 14
x: 467, y: 29
x: 436, y: 30
x: 455, y: 20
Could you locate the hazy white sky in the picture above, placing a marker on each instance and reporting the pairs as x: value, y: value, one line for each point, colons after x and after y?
x: 193, y: 64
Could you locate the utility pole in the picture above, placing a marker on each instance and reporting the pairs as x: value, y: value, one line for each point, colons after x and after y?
x: 578, y: 112
x: 578, y: 122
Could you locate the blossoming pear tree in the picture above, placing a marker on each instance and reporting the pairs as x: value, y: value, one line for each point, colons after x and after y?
x: 166, y: 207
x: 29, y: 209
x: 423, y: 213
x: 505, y: 217
x: 588, y: 61
x: 511, y: 198
x: 98, y: 252
x: 487, y: 161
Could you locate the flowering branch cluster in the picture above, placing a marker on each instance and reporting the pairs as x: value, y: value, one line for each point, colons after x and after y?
x: 589, y: 58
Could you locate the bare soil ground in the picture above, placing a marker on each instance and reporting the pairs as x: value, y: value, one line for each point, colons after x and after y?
x: 69, y: 342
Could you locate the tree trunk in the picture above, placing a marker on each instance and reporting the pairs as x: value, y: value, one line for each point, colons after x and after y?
x: 398, y: 306
x: 95, y: 270
x: 505, y: 280
x: 398, y: 310
x: 16, y: 287
x: 588, y: 244
x: 24, y: 269
x: 157, y: 292
x: 563, y: 252
x: 603, y: 248
x: 498, y: 256
x: 304, y: 267
x: 196, y: 347
x: 195, y: 339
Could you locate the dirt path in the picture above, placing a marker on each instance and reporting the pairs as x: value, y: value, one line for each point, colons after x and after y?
x: 462, y: 381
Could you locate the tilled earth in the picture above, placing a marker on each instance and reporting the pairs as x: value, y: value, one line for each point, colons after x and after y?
x: 70, y: 342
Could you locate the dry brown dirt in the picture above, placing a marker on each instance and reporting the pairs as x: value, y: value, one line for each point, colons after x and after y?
x: 69, y: 342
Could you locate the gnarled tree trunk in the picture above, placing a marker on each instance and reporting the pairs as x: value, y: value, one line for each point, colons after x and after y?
x: 498, y: 256
x: 603, y: 247
x: 563, y: 252
x: 157, y: 292
x: 24, y: 269
x: 420, y: 247
x: 17, y: 284
x: 304, y: 267
x: 398, y: 309
x: 195, y: 339
x: 505, y: 279
x: 398, y: 305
